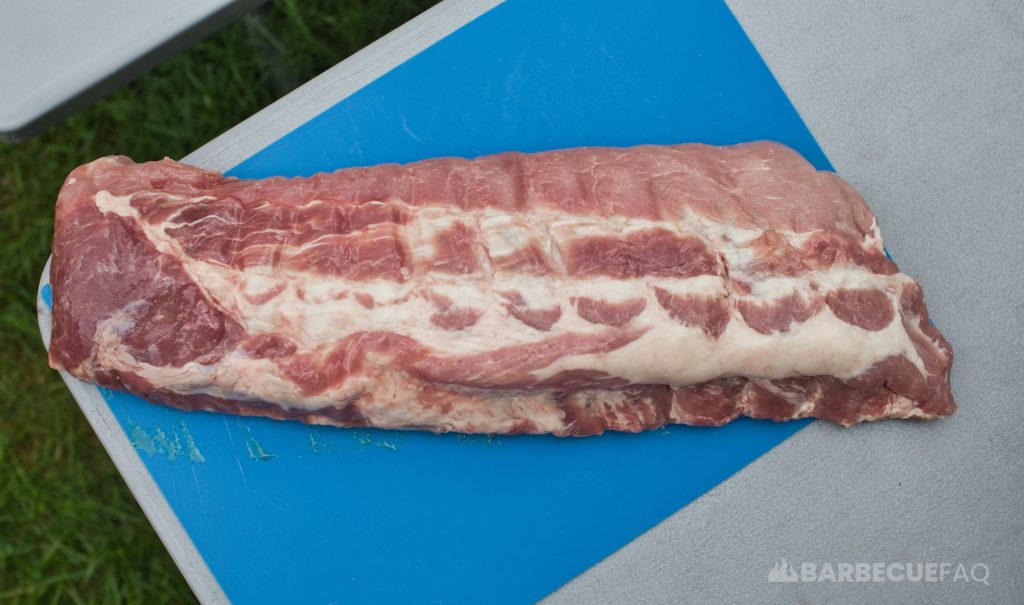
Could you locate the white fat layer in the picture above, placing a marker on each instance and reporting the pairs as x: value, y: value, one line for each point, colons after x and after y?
x: 504, y: 234
x: 422, y: 235
x: 671, y: 353
x: 108, y: 203
x: 316, y: 311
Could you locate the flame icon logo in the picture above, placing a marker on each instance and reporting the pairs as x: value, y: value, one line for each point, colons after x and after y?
x: 782, y: 572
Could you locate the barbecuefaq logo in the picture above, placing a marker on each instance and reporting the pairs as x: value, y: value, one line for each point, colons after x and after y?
x: 930, y: 571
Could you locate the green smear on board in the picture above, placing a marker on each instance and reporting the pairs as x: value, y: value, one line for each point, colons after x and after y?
x: 194, y: 455
x: 142, y: 441
x: 318, y: 441
x: 365, y: 438
x: 490, y: 440
x: 256, y: 451
x: 167, y: 446
x: 160, y: 443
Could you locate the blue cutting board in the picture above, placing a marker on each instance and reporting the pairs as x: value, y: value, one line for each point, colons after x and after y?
x: 282, y: 512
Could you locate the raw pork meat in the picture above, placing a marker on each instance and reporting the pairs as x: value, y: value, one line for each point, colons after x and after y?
x: 567, y: 292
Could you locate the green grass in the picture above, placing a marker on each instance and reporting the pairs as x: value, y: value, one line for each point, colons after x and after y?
x: 70, y: 532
